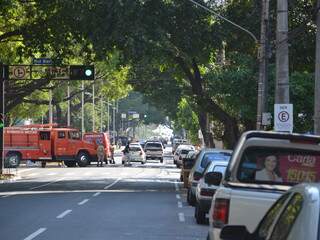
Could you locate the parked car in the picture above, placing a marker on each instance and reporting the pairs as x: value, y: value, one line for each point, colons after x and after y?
x: 154, y: 150
x: 176, y: 142
x: 135, y: 154
x: 294, y: 216
x: 180, y: 153
x: 187, y: 163
x: 205, y: 190
x: 205, y: 157
x: 263, y: 166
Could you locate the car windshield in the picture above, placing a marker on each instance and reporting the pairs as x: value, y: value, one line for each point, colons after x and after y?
x: 184, y: 151
x: 279, y: 166
x: 214, y: 156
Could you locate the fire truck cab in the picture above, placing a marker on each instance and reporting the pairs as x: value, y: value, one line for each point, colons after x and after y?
x: 47, y: 143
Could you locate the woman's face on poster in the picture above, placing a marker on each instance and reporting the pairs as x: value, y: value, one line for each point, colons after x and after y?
x: 270, y: 163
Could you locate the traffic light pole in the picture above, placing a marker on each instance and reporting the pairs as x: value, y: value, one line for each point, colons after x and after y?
x: 2, y: 117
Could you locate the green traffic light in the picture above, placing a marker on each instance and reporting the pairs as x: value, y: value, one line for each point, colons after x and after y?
x: 88, y: 72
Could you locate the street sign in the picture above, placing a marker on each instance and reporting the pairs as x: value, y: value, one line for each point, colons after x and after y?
x: 135, y: 116
x: 19, y: 72
x: 42, y: 61
x: 123, y: 115
x: 283, y: 117
x: 38, y: 72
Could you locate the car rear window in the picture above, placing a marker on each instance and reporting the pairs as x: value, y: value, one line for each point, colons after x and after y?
x: 214, y: 156
x: 184, y: 151
x: 279, y: 166
x: 134, y: 149
x: 153, y: 145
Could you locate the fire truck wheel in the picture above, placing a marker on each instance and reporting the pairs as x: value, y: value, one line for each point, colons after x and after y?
x: 13, y: 159
x: 83, y: 159
x: 70, y: 163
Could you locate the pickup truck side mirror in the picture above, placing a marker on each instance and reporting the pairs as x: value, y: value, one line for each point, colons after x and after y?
x: 235, y: 233
x: 213, y: 178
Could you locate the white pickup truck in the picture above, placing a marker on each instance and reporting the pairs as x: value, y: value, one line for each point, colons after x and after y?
x: 263, y: 166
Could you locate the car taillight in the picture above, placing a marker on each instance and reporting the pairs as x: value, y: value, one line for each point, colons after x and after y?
x: 197, y: 176
x: 220, y: 213
x: 207, y: 192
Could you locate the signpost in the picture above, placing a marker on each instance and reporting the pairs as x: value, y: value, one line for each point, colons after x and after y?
x: 283, y: 117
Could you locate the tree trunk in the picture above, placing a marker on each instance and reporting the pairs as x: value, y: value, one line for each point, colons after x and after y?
x: 206, y: 105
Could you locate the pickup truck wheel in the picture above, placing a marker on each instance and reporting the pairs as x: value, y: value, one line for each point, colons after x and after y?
x: 70, y: 163
x: 12, y: 160
x: 83, y: 159
x: 199, y: 215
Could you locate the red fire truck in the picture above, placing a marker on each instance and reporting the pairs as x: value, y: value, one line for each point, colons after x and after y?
x: 99, y: 138
x: 47, y: 143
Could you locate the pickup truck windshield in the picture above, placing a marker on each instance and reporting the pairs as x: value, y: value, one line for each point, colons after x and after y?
x: 279, y: 166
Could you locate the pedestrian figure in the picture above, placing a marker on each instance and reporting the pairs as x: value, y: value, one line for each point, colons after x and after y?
x: 100, y: 155
x: 112, y: 154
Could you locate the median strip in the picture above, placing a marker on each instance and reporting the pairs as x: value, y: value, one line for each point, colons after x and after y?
x: 62, y: 215
x: 35, y: 234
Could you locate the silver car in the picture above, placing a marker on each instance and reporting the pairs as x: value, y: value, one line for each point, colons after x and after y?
x: 205, y: 191
x: 205, y: 157
x: 294, y: 216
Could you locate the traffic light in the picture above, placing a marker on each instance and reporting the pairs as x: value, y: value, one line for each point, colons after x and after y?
x: 81, y: 72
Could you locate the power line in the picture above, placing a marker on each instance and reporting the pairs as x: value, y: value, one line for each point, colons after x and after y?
x: 225, y: 19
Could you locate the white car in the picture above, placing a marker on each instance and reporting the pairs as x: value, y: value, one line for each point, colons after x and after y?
x: 135, y: 154
x: 264, y: 165
x: 181, y: 153
x: 154, y: 150
x: 205, y: 191
x: 294, y: 216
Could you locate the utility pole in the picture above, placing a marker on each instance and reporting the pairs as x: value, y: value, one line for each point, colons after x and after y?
x: 317, y: 77
x: 101, y: 114
x: 264, y: 62
x: 69, y: 106
x: 82, y: 106
x: 93, y: 110
x: 282, y: 55
x: 50, y: 106
x: 114, y: 122
x: 108, y: 117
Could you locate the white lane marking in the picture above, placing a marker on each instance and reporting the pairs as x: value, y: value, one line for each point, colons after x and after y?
x: 51, y: 174
x: 36, y: 233
x: 65, y: 213
x: 181, y: 217
x: 43, y: 185
x: 83, y: 202
x: 178, y: 196
x: 96, y: 194
x: 5, y: 196
x: 110, y: 185
x: 179, y: 204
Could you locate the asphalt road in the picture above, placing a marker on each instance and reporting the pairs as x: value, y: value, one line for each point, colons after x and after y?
x: 112, y: 202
